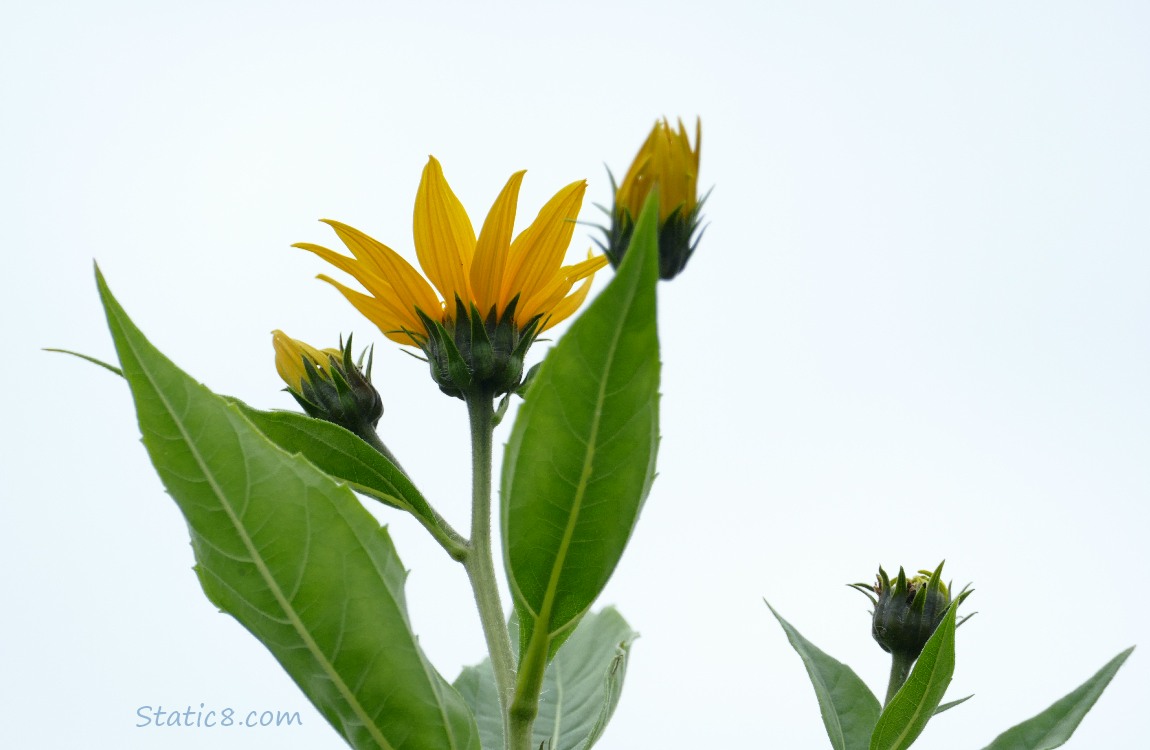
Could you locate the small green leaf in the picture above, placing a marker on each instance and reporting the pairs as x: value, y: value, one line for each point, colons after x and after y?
x: 1055, y: 725
x: 93, y: 360
x: 951, y: 704
x: 345, y: 456
x: 904, y: 718
x: 850, y: 710
x: 581, y: 457
x: 294, y: 557
x: 581, y: 687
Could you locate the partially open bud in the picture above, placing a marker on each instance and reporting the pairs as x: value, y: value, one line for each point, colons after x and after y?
x: 328, y: 385
x: 668, y: 164
x: 906, y: 614
x: 906, y: 611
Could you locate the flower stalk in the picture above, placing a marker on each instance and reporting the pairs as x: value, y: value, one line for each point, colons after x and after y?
x: 479, y: 563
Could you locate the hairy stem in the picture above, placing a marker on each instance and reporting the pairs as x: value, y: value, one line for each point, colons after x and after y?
x: 479, y: 562
x: 899, y: 670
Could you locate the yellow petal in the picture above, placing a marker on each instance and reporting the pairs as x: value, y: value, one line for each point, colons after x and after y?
x: 397, y: 272
x: 538, y: 251
x: 636, y: 183
x: 289, y: 359
x: 374, y: 283
x: 550, y: 296
x: 290, y: 354
x: 391, y: 319
x: 490, y: 260
x: 567, y: 305
x: 444, y: 238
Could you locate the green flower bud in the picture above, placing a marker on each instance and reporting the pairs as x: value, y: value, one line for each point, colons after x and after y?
x: 907, y: 611
x: 906, y: 614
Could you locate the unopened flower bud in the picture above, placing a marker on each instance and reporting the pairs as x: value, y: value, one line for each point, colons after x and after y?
x: 668, y: 164
x: 907, y: 611
x: 328, y: 384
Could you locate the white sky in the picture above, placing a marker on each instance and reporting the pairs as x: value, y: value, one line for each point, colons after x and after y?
x: 917, y: 328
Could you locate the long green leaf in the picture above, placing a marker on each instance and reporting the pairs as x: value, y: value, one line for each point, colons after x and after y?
x: 1055, y: 725
x: 908, y: 712
x: 581, y: 687
x: 294, y: 557
x: 850, y: 710
x: 581, y: 457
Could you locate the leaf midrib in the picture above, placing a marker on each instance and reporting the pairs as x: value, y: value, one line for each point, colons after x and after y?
x: 920, y: 703
x: 588, y: 467
x: 265, y: 573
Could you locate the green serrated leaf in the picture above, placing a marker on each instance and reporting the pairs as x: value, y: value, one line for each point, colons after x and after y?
x: 345, y: 456
x: 294, y: 557
x: 908, y: 712
x: 1054, y: 726
x: 581, y: 687
x: 850, y: 710
x: 581, y: 456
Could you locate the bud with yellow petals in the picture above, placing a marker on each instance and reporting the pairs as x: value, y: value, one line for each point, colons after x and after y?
x: 668, y: 164
x: 328, y: 385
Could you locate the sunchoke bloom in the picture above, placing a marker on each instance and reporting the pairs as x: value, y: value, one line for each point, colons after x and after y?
x: 328, y: 385
x: 489, y: 297
x: 666, y: 163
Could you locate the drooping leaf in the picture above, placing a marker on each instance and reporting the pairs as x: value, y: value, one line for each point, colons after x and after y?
x: 294, y: 557
x: 581, y: 687
x: 345, y: 456
x: 1054, y: 726
x: 850, y: 710
x: 904, y: 718
x: 581, y: 456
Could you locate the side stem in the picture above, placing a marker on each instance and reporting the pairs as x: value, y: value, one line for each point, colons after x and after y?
x: 479, y: 562
x: 440, y: 529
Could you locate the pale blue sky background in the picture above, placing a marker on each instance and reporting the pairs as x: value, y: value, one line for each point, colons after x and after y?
x: 917, y: 328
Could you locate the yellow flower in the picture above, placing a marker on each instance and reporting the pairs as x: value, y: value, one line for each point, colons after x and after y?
x: 290, y: 355
x: 488, y: 297
x: 669, y: 164
x: 666, y: 160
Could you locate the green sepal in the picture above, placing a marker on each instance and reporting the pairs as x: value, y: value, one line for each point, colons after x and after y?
x: 479, y: 350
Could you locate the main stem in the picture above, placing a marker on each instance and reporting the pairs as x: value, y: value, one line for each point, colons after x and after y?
x: 479, y: 562
x: 899, y: 671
